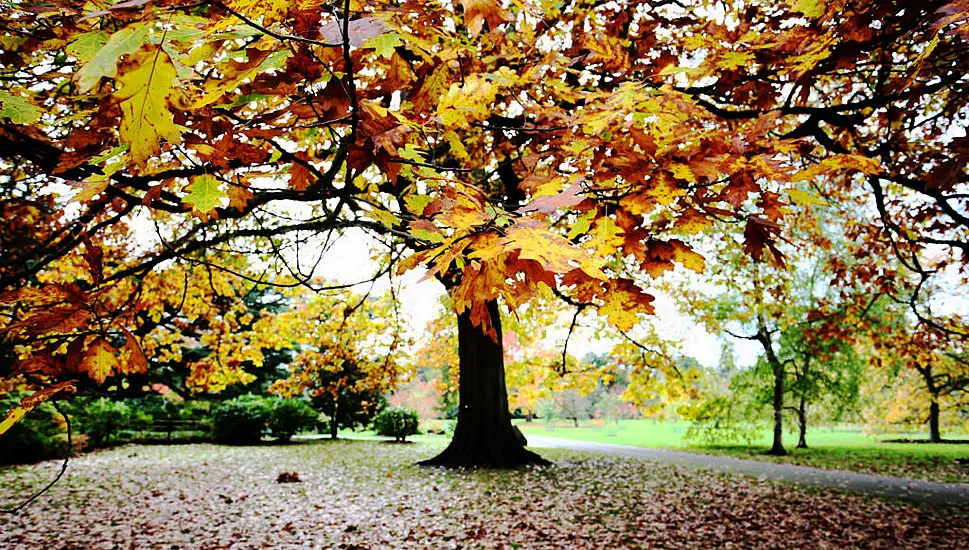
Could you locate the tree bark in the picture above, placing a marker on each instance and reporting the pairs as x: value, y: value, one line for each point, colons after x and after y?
x: 334, y: 425
x: 802, y: 423
x: 763, y: 336
x: 935, y: 434
x: 484, y: 436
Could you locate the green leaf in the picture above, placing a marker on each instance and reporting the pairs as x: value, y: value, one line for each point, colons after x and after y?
x: 384, y: 44
x: 18, y: 109
x: 87, y: 45
x: 204, y: 194
x: 105, y: 62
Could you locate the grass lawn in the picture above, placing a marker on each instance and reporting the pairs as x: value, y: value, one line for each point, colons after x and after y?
x: 369, y: 494
x: 839, y: 449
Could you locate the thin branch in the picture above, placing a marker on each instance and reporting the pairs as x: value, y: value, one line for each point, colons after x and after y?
x: 60, y: 474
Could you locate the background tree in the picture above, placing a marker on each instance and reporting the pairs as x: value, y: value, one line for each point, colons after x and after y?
x: 348, y: 355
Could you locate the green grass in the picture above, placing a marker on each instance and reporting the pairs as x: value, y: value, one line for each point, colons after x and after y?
x: 840, y: 449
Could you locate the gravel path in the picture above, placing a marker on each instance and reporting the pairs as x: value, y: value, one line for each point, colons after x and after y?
x: 926, y: 492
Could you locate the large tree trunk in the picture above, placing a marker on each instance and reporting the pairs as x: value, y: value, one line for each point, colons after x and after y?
x: 484, y: 436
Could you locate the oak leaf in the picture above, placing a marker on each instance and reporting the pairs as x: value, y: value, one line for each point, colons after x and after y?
x: 145, y: 96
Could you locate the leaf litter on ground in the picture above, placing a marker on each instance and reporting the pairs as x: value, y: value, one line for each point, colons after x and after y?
x: 362, y: 494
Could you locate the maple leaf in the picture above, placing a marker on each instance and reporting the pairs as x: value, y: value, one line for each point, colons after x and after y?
x: 384, y: 44
x: 99, y: 361
x: 204, y: 194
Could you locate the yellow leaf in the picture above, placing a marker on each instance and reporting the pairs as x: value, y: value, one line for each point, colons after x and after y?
x: 32, y: 401
x: 810, y: 8
x: 99, y: 361
x: 732, y: 60
x: 145, y: 95
x: 804, y: 198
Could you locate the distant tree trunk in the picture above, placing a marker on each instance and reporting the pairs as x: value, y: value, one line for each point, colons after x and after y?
x: 576, y: 421
x: 763, y: 336
x: 802, y: 423
x: 935, y: 435
x: 334, y: 425
x: 484, y: 436
x: 529, y: 416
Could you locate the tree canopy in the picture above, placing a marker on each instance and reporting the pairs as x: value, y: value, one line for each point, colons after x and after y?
x: 510, y: 148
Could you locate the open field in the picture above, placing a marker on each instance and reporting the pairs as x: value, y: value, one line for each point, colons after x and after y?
x: 840, y: 449
x: 367, y: 494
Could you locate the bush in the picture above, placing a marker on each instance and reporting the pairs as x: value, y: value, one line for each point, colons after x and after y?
x: 36, y: 437
x: 290, y: 416
x: 102, y: 420
x: 241, y: 421
x: 396, y: 422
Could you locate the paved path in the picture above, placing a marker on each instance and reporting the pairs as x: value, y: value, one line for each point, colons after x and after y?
x: 926, y: 492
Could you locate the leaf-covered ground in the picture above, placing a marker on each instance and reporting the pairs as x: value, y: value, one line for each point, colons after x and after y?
x: 364, y: 494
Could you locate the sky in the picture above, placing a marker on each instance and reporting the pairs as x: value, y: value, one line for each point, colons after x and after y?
x: 349, y: 261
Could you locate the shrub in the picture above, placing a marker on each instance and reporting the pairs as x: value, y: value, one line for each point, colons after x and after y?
x: 36, y: 437
x: 396, y: 422
x: 100, y: 419
x: 290, y: 416
x: 241, y: 421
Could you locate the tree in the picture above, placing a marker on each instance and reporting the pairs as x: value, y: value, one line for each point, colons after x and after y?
x: 348, y: 355
x: 510, y: 150
x: 936, y: 358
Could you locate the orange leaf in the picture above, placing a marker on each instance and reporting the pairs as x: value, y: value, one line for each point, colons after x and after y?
x: 476, y: 12
x: 135, y: 361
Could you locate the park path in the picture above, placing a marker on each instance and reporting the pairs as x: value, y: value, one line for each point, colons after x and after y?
x: 925, y: 492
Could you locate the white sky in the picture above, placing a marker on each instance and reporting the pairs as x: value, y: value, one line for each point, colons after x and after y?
x: 349, y: 261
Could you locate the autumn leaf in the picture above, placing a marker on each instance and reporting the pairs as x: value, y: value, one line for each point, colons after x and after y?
x: 100, y: 361
x: 133, y: 357
x: 804, y: 198
x: 204, y: 194
x: 34, y: 400
x: 810, y: 8
x: 145, y: 97
x: 384, y: 44
x: 105, y: 62
x: 476, y: 12
x: 17, y: 109
x: 548, y: 204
